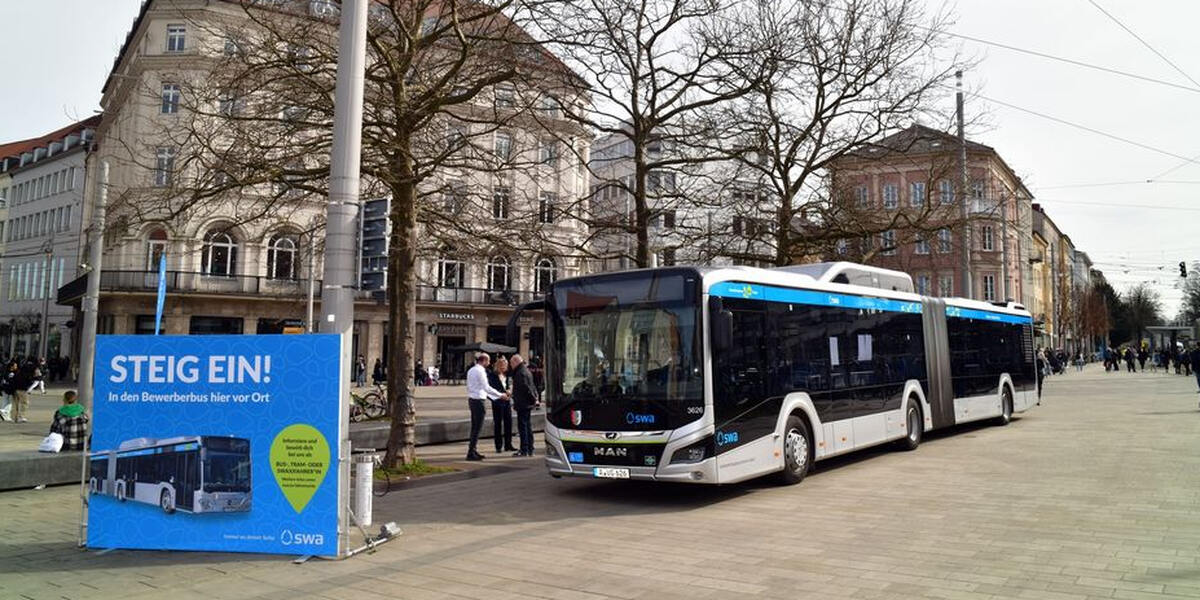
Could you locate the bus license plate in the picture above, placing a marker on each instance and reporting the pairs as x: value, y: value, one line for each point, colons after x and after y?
x: 608, y: 473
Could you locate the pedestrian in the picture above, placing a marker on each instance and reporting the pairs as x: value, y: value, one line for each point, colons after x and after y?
x: 38, y: 377
x: 419, y: 373
x: 434, y: 374
x: 1079, y: 361
x: 501, y: 408
x: 360, y: 371
x: 70, y: 421
x: 1166, y: 360
x: 525, y: 399
x: 1043, y: 368
x: 1195, y: 362
x: 21, y: 381
x: 378, y: 377
x: 477, y: 391
x: 1129, y: 358
x: 1142, y: 355
x: 6, y: 391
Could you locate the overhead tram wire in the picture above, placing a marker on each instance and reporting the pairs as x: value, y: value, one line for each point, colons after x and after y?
x: 1047, y: 56
x: 1086, y: 128
x: 1144, y: 42
x: 1117, y: 183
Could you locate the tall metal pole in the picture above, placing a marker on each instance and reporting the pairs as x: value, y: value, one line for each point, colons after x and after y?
x: 48, y: 248
x: 967, y: 291
x: 91, y: 301
x: 337, y: 293
x: 1004, y: 246
x: 312, y: 276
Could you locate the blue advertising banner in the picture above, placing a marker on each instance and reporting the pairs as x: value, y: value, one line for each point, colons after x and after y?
x: 162, y: 293
x: 222, y: 443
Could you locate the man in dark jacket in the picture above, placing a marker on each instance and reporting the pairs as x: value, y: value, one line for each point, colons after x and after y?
x: 525, y: 398
x: 1196, y: 364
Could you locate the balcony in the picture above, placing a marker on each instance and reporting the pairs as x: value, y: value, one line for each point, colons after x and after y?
x: 264, y: 287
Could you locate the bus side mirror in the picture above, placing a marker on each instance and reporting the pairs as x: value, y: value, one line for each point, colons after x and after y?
x: 722, y: 325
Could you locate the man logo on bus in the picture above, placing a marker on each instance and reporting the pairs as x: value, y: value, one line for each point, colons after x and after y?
x: 576, y: 417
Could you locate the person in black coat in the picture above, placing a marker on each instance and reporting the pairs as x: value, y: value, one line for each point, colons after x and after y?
x: 525, y: 398
x: 502, y: 408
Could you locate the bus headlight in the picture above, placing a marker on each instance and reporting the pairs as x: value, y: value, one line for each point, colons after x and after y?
x: 693, y: 453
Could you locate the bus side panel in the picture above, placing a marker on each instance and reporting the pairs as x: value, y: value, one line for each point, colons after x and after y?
x: 939, y: 392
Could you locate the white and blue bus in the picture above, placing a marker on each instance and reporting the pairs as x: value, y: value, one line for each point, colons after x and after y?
x: 718, y: 375
x: 195, y: 474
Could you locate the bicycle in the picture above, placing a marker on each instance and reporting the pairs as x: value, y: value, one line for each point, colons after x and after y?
x: 382, y: 481
x: 370, y: 405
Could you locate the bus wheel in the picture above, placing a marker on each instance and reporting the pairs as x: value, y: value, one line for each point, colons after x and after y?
x: 1006, y: 408
x: 797, y: 451
x: 164, y: 500
x: 915, y: 425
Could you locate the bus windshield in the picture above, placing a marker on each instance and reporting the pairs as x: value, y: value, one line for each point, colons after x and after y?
x: 226, y: 472
x: 626, y: 351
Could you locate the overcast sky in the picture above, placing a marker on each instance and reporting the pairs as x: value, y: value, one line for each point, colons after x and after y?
x: 61, y: 50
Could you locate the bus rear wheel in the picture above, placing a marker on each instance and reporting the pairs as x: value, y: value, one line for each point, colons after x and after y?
x: 1006, y: 408
x: 164, y: 500
x: 914, y: 424
x: 797, y: 451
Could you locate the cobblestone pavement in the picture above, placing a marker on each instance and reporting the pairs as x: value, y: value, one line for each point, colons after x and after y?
x: 1094, y: 494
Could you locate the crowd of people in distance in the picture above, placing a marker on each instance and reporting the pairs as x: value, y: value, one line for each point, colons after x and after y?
x: 23, y: 376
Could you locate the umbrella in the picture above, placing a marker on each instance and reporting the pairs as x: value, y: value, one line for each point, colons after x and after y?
x: 488, y: 347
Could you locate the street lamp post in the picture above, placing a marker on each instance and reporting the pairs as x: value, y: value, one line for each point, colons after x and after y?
x: 48, y: 249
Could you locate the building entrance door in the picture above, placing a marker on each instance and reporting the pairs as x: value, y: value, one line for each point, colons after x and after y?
x: 452, y: 363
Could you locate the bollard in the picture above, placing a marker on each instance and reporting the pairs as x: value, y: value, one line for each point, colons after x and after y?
x: 364, y: 485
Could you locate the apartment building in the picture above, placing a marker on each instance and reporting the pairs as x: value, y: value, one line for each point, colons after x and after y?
x: 230, y: 274
x: 43, y: 198
x: 915, y: 172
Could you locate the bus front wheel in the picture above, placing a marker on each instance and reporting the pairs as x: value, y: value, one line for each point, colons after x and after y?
x: 164, y: 500
x: 797, y: 451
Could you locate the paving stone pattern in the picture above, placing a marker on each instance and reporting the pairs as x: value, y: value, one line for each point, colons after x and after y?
x: 1094, y: 494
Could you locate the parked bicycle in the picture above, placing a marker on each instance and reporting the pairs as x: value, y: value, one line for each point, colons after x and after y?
x: 368, y: 405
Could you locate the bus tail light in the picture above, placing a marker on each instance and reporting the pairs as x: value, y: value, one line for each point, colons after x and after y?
x: 693, y: 453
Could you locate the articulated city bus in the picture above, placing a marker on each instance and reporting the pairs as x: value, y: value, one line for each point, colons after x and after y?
x: 192, y: 473
x: 717, y: 375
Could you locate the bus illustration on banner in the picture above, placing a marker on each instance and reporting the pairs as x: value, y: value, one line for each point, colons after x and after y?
x: 196, y: 474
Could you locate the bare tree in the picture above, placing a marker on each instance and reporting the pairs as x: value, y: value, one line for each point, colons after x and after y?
x: 1143, y: 307
x: 255, y: 130
x: 840, y: 77
x: 652, y: 68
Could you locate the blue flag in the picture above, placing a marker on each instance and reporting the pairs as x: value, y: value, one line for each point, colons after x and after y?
x: 162, y: 293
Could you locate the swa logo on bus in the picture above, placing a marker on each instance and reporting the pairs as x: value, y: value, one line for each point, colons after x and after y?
x: 724, y: 438
x: 287, y: 538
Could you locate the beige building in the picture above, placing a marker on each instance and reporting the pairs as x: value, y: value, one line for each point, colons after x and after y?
x: 227, y: 274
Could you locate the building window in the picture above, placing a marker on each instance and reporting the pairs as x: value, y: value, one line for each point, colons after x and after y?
x: 164, y: 167
x: 668, y: 257
x: 946, y: 191
x: 227, y: 104
x: 220, y: 254
x: 547, y: 207
x: 503, y: 146
x: 451, y: 271
x: 891, y: 196
x: 454, y: 197
x: 176, y: 38
x: 322, y: 8
x: 887, y: 243
x: 922, y: 245
x: 989, y: 288
x: 916, y: 194
x: 944, y: 240
x: 170, y: 98
x: 549, y: 106
x: 945, y: 285
x: 842, y: 247
x: 505, y: 96
x: 499, y: 274
x: 863, y: 197
x: 548, y: 152
x: 988, y: 237
x: 977, y: 190
x: 500, y: 200
x: 923, y: 285
x: 232, y: 47
x: 156, y: 248
x: 281, y: 257
x: 545, y: 272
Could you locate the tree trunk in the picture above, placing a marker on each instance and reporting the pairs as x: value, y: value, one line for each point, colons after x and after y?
x: 641, y: 217
x: 402, y: 317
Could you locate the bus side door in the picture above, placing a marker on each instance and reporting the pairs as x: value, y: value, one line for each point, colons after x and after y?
x: 741, y: 392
